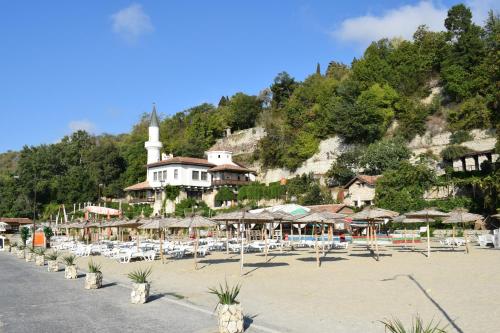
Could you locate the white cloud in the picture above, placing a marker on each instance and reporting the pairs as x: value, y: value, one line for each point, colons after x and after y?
x: 399, y: 22
x: 480, y: 9
x: 131, y: 22
x: 83, y: 125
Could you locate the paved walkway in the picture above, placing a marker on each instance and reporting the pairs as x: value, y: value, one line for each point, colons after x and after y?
x: 34, y: 300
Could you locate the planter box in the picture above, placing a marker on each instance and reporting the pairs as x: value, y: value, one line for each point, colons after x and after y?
x: 93, y: 280
x: 29, y: 256
x: 140, y: 293
x: 39, y: 260
x: 52, y: 266
x: 20, y: 254
x: 230, y: 318
x: 70, y: 272
x: 7, y: 248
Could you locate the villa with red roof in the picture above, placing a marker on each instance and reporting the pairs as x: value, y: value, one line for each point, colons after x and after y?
x: 196, y: 178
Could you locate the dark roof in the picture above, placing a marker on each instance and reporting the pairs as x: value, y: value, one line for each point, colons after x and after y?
x: 370, y: 180
x: 139, y: 186
x: 153, y: 122
x: 183, y: 160
x: 230, y: 167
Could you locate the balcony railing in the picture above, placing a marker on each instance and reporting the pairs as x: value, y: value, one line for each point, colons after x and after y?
x: 233, y: 182
x: 141, y: 200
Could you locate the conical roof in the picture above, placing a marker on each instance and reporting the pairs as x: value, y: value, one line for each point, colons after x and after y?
x: 405, y: 219
x: 194, y: 222
x: 154, y: 122
x: 321, y: 217
x: 372, y: 213
x: 462, y: 216
x: 159, y: 223
x: 427, y: 213
x: 243, y: 217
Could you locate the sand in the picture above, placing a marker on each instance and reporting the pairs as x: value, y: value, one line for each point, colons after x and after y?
x: 350, y: 292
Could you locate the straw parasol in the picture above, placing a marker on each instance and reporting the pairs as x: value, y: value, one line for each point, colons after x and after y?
x: 373, y: 215
x: 407, y: 220
x: 323, y: 218
x: 242, y: 217
x: 461, y: 215
x: 428, y: 214
x: 195, y: 222
x: 160, y: 225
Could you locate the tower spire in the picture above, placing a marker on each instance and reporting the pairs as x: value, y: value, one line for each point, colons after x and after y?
x: 153, y: 122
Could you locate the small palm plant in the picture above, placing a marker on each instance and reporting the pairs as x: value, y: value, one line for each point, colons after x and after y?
x: 226, y: 294
x: 40, y: 251
x: 54, y: 255
x: 396, y: 326
x: 94, y: 268
x: 31, y: 249
x: 140, y: 275
x: 69, y: 260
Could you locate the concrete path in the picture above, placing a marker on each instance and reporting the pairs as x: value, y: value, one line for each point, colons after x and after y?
x: 34, y: 300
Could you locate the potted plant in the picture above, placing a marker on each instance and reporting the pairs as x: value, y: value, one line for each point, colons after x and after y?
x: 93, y: 279
x: 52, y: 263
x: 30, y: 254
x: 20, y: 251
x: 40, y: 256
x: 48, y: 234
x: 140, y: 285
x: 229, y: 310
x: 70, y: 269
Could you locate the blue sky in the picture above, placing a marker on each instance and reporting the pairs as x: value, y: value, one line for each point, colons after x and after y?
x: 98, y: 65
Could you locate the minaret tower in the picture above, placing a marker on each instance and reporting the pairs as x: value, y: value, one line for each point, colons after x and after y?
x: 153, y: 145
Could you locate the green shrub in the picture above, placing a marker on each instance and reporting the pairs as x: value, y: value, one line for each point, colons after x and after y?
x: 54, y: 255
x: 40, y: 251
x: 226, y: 294
x: 69, y: 260
x: 140, y: 275
x: 93, y: 267
x: 460, y: 136
x: 396, y: 326
x: 25, y: 232
x: 454, y: 152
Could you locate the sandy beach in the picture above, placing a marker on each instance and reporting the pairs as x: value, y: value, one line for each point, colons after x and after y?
x: 350, y: 292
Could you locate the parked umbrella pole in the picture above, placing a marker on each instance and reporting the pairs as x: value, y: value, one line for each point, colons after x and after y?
x: 241, y: 250
x: 196, y: 248
x: 375, y: 239
x: 404, y: 238
x: 322, y: 238
x: 453, y: 237
x: 317, y: 251
x: 428, y: 240
x: 227, y: 238
x: 282, y: 239
x: 465, y: 236
x: 162, y: 237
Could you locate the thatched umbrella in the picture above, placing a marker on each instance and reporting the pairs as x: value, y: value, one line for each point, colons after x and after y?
x: 462, y: 216
x: 160, y: 225
x: 407, y: 220
x: 242, y: 217
x: 428, y: 214
x: 194, y: 222
x: 323, y: 218
x: 373, y: 215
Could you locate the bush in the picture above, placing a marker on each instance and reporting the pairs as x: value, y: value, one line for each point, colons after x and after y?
x: 226, y: 294
x: 140, y: 275
x: 93, y: 267
x: 25, y: 232
x: 69, y: 260
x: 396, y: 326
x: 454, y: 152
x: 460, y: 136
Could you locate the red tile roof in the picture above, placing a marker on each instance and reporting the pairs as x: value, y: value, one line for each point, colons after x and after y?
x: 370, y: 180
x: 231, y: 167
x: 183, y: 160
x: 19, y: 220
x: 139, y: 186
x: 332, y: 208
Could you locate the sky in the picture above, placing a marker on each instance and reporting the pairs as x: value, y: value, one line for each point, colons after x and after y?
x: 99, y: 65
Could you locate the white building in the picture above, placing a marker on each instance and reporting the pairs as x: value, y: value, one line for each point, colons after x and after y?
x: 360, y: 191
x: 195, y: 177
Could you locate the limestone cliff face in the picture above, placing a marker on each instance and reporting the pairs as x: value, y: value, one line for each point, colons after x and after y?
x: 243, y: 143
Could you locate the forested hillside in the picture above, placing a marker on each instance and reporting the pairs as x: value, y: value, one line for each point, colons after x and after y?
x: 375, y: 104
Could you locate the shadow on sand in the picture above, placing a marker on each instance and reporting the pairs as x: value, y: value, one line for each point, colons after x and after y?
x: 429, y: 297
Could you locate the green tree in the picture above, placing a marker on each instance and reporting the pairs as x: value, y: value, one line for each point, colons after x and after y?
x: 384, y: 155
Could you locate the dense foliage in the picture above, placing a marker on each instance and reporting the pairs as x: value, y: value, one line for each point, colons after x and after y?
x: 377, y: 104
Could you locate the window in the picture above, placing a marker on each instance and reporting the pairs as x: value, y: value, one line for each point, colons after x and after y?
x: 155, y: 175
x: 176, y: 173
x: 203, y: 175
x: 218, y: 156
x: 164, y: 174
x: 196, y: 175
x: 159, y: 176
